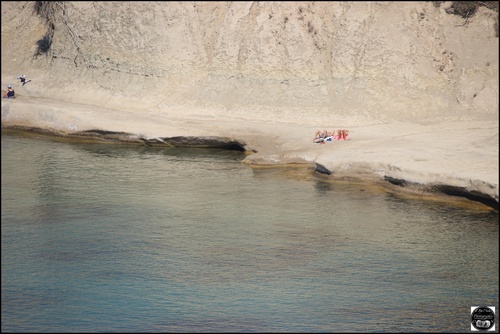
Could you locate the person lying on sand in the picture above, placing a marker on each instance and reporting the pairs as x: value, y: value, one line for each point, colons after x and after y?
x: 343, y: 134
x: 322, y: 136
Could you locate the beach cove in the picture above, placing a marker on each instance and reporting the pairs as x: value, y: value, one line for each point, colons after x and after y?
x: 423, y: 121
x: 409, y: 157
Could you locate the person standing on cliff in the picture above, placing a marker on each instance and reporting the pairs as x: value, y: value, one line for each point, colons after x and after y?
x: 23, y: 79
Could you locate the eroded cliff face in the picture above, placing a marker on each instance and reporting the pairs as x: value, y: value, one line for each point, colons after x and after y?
x: 382, y: 60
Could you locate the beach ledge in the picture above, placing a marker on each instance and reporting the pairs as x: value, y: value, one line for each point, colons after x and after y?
x: 354, y: 159
x: 420, y: 98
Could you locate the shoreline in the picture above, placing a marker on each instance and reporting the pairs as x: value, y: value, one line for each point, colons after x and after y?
x: 451, y: 155
x: 420, y: 101
x: 447, y: 194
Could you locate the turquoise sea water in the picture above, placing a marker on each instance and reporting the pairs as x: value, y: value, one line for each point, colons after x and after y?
x: 110, y: 238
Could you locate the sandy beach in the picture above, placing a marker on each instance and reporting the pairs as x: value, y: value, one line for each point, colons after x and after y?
x: 429, y: 155
x: 420, y: 100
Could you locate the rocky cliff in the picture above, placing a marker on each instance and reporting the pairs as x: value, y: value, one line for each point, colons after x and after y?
x: 381, y: 60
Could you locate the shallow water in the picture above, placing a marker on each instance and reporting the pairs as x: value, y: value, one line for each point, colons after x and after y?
x: 99, y: 237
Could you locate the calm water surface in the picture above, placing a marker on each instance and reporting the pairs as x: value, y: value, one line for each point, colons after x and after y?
x: 110, y: 238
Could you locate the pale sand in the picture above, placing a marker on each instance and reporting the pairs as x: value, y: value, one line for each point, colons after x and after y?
x: 459, y: 153
x: 416, y: 86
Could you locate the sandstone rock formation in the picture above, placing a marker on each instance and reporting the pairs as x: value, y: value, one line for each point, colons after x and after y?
x: 385, y: 60
x: 416, y: 82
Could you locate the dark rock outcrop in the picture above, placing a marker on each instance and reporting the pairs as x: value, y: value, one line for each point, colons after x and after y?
x: 204, y: 142
x: 447, y: 190
x: 322, y: 169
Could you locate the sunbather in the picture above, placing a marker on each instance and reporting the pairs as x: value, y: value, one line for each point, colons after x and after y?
x: 320, y: 134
